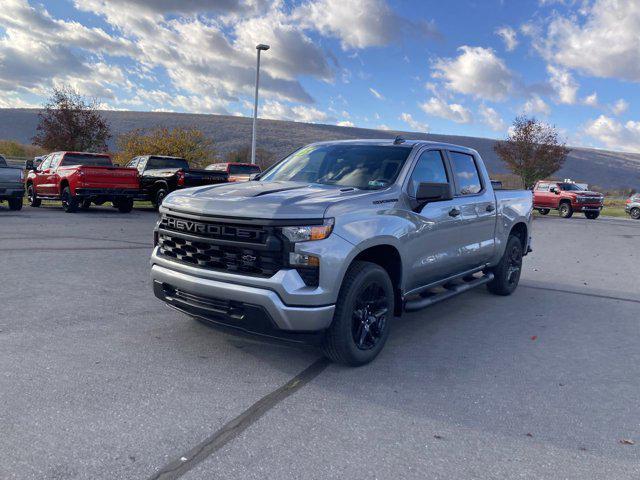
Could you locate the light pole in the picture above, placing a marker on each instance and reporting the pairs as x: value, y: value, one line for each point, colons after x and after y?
x: 260, y: 47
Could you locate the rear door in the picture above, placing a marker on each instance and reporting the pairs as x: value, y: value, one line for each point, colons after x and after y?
x: 476, y: 206
x: 434, y: 249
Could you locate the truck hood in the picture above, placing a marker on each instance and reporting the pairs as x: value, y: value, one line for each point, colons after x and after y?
x: 266, y: 200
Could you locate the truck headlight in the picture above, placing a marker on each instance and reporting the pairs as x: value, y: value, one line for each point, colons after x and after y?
x: 309, y: 232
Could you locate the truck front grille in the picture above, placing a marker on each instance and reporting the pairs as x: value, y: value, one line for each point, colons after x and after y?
x: 222, y: 257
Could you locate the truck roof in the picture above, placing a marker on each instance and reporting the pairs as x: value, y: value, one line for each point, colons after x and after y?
x: 405, y: 143
x: 64, y: 152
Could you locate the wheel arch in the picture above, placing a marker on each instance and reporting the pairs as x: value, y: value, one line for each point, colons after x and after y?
x: 521, y: 230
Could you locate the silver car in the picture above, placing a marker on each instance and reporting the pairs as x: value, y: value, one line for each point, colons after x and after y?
x: 632, y: 206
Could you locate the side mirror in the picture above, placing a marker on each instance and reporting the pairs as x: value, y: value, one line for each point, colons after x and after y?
x: 555, y: 190
x: 254, y: 177
x: 29, y: 165
x: 433, y: 192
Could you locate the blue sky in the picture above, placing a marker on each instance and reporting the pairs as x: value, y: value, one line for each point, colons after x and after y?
x: 456, y: 67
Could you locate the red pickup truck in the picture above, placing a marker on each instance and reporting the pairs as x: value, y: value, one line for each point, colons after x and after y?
x: 79, y: 179
x: 567, y: 198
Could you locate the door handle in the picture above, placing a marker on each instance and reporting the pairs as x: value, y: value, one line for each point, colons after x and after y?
x: 491, y: 207
x: 454, y: 212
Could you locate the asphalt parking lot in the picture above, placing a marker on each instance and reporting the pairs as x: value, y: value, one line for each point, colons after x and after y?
x: 99, y: 380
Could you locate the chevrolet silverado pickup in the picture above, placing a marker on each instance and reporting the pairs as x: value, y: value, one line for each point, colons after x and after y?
x: 567, y: 198
x: 79, y: 179
x: 161, y: 175
x: 237, y: 171
x: 333, y: 242
x: 11, y: 185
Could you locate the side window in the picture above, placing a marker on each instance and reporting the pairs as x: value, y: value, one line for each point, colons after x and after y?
x: 543, y: 187
x: 133, y: 163
x: 142, y: 162
x: 429, y: 168
x: 46, y: 163
x: 466, y: 173
x: 55, y: 160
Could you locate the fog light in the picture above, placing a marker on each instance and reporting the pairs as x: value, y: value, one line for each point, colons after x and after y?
x: 303, y: 260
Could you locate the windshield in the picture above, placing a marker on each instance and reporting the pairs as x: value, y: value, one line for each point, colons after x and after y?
x: 568, y: 187
x: 243, y: 169
x: 159, y: 162
x: 360, y: 166
x: 86, y: 160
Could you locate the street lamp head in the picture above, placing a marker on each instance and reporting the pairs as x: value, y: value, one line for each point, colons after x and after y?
x: 262, y: 46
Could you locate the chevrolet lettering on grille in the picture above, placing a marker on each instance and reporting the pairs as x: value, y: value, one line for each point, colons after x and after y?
x: 190, y: 226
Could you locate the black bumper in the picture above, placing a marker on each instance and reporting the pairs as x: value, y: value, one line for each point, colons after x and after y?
x: 106, y: 192
x: 232, y: 317
x: 11, y: 193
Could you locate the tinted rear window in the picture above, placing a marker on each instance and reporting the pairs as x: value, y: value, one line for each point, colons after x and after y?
x: 466, y: 173
x: 85, y: 160
x: 158, y: 162
x: 243, y: 169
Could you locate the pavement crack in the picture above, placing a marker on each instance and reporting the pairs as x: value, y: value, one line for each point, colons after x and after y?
x: 573, y: 292
x: 232, y: 429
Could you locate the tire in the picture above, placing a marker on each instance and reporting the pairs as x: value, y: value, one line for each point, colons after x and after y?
x: 544, y: 211
x: 592, y: 215
x: 124, y: 205
x: 352, y: 339
x: 158, y: 197
x: 86, y: 204
x: 69, y: 202
x: 15, y: 203
x: 635, y: 213
x: 566, y: 210
x: 32, y: 197
x: 507, y: 272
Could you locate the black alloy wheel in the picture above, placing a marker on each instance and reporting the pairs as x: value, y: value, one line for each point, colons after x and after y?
x: 369, y: 316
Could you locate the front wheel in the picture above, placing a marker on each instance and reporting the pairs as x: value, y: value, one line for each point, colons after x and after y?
x: 544, y: 211
x: 34, y: 201
x: 86, y: 204
x: 635, y: 213
x: 158, y: 198
x: 592, y: 215
x: 361, y: 321
x: 15, y: 203
x: 69, y: 201
x: 565, y: 209
x: 507, y: 272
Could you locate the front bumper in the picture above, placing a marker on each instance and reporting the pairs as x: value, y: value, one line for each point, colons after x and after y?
x: 251, y: 309
x: 586, y: 208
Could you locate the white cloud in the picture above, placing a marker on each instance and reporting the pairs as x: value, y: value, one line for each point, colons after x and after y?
x: 620, y: 106
x: 383, y: 127
x: 509, y: 37
x: 345, y: 123
x: 300, y: 113
x: 603, y: 42
x: 492, y: 118
x: 476, y: 71
x: 536, y: 105
x: 615, y: 135
x: 564, y: 85
x: 439, y: 108
x: 357, y: 23
x: 376, y: 94
x: 591, y: 100
x: 413, y: 123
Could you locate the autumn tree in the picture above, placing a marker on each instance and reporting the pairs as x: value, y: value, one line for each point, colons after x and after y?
x: 533, y: 150
x: 264, y: 158
x: 11, y: 148
x: 69, y: 121
x: 188, y: 143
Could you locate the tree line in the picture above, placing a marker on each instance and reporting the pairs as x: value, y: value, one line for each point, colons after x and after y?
x: 533, y: 150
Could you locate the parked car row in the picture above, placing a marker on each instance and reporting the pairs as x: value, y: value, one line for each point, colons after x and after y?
x: 80, y: 179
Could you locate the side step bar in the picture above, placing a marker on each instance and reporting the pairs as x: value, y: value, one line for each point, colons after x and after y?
x: 452, y: 290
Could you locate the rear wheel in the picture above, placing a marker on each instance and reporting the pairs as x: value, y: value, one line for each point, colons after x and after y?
x: 361, y: 321
x: 635, y: 213
x: 592, y: 215
x: 69, y: 201
x: 124, y: 205
x: 34, y: 201
x: 507, y: 272
x: 158, y: 197
x: 86, y: 204
x: 15, y: 203
x: 565, y: 209
x: 543, y: 211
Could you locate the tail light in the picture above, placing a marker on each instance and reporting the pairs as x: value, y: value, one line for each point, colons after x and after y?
x: 180, y: 178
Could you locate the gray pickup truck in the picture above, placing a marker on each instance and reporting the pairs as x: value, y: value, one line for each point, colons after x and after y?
x: 11, y: 184
x: 333, y: 242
